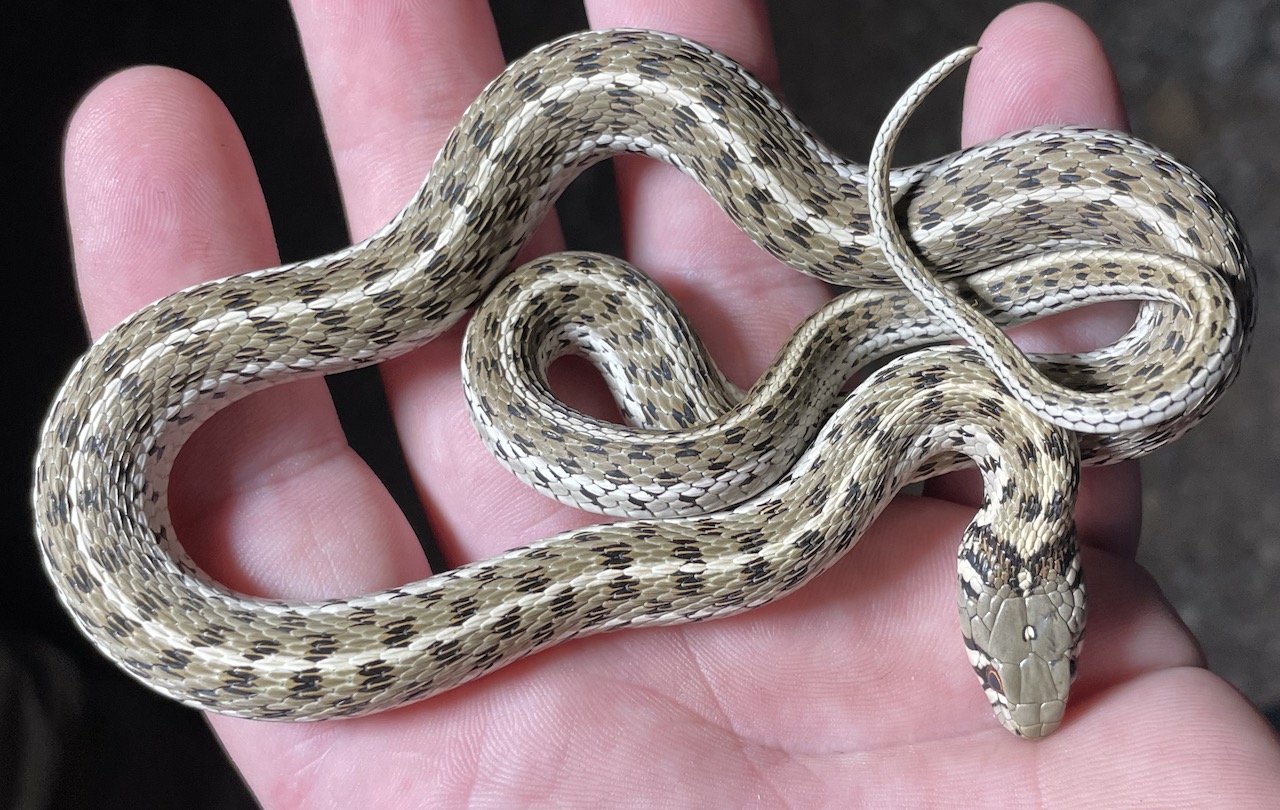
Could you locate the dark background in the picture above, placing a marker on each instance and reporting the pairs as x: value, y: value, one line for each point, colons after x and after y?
x: 1202, y: 79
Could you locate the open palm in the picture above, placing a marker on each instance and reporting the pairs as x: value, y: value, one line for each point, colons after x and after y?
x: 854, y: 690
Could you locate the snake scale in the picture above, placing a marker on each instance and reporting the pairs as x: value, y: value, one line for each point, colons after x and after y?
x: 736, y: 497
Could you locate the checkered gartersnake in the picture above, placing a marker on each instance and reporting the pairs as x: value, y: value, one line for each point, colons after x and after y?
x: 740, y: 496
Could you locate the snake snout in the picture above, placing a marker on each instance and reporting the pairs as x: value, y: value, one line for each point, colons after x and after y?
x: 1030, y: 696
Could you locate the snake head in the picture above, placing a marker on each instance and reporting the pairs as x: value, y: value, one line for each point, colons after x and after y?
x: 1023, y: 641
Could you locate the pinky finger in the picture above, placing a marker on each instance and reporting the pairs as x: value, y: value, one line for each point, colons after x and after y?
x: 162, y: 194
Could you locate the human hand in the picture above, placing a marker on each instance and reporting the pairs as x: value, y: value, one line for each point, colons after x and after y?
x: 854, y: 686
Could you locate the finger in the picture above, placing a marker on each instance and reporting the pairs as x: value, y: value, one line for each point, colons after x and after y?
x: 391, y: 81
x: 266, y: 497
x: 741, y: 301
x: 161, y: 194
x: 1041, y: 64
x: 146, y: 212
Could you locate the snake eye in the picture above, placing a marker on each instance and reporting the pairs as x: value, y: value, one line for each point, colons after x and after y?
x: 991, y: 679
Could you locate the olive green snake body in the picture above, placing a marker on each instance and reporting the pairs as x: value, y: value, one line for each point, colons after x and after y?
x: 738, y: 497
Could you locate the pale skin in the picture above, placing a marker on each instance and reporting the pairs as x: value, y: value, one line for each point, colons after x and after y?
x: 855, y: 690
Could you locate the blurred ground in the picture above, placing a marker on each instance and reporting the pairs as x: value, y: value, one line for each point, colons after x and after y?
x: 1201, y: 78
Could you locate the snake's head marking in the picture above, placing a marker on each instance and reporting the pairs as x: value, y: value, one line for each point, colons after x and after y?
x: 1023, y: 644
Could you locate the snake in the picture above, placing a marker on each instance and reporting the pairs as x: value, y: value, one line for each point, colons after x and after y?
x: 732, y: 498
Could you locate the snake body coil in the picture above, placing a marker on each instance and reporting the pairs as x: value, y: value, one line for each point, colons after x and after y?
x: 1034, y: 223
